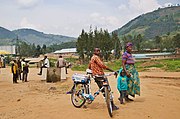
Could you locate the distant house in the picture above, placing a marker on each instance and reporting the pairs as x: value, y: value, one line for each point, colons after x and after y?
x: 66, y: 52
x: 8, y: 49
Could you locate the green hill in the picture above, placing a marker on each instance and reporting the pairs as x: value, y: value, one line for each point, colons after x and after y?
x: 40, y: 38
x: 156, y: 23
x: 6, y: 34
x: 31, y: 36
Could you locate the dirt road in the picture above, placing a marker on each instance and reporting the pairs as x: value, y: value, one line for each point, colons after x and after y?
x: 36, y: 99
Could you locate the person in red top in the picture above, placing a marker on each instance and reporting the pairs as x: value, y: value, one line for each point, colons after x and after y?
x: 97, y: 66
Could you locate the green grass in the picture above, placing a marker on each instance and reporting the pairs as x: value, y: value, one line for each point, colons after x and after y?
x: 80, y: 67
x: 166, y: 65
x: 172, y: 65
x: 71, y: 59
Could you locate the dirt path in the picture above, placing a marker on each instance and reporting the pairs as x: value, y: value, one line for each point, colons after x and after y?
x: 160, y: 99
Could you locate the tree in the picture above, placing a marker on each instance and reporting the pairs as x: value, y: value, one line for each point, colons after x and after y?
x: 80, y: 45
x: 107, y: 44
x: 44, y: 49
x: 158, y: 40
x: 88, y: 41
x: 139, y: 41
x: 89, y: 44
x: 38, y: 50
x: 176, y: 41
x: 117, y: 45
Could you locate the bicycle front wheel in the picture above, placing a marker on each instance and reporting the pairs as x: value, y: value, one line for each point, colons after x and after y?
x: 76, y: 97
x: 108, y: 101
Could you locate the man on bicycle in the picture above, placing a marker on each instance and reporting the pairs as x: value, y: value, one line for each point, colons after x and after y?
x: 97, y: 66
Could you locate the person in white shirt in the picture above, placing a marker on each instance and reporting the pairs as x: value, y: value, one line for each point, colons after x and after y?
x: 25, y: 70
x: 45, y: 64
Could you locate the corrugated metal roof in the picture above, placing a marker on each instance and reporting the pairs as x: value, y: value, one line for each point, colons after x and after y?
x: 69, y: 50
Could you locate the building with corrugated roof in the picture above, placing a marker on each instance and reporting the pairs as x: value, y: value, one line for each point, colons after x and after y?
x: 66, y: 51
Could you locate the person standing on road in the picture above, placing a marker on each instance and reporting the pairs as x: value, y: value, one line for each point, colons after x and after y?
x: 97, y: 67
x: 61, y: 63
x: 0, y: 62
x: 3, y: 61
x: 14, y: 70
x: 19, y: 68
x: 131, y: 72
x: 25, y: 70
x: 45, y: 64
x: 122, y: 85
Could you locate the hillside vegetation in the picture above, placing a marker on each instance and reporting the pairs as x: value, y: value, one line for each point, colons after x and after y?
x: 6, y: 34
x: 156, y: 23
x: 31, y: 36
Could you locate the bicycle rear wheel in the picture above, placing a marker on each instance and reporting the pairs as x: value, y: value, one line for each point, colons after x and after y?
x: 108, y: 101
x: 76, y: 97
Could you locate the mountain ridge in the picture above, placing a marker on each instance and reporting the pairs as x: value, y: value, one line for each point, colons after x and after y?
x: 32, y: 36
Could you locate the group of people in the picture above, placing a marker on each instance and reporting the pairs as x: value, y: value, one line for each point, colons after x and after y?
x: 45, y: 64
x: 61, y: 63
x: 128, y: 82
x: 19, y: 67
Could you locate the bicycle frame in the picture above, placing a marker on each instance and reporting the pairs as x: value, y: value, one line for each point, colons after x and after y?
x: 88, y: 95
x: 82, y: 90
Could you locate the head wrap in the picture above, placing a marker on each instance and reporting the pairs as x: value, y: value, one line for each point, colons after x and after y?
x: 129, y: 44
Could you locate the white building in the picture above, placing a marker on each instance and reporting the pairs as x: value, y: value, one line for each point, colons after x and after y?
x: 66, y: 51
x: 9, y: 49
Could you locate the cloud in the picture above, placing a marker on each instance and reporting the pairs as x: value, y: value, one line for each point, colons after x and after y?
x: 26, y: 24
x: 143, y: 5
x: 101, y: 21
x: 122, y: 7
x: 134, y: 8
x: 167, y: 4
x: 26, y: 4
x: 69, y: 17
x: 139, y: 6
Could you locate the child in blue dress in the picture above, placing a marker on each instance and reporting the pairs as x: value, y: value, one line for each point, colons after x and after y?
x: 122, y: 85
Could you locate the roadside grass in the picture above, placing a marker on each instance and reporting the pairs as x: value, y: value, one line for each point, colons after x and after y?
x: 172, y: 65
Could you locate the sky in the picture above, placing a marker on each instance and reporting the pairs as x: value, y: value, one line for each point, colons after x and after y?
x: 69, y: 17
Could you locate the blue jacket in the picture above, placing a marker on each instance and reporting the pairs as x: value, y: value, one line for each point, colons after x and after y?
x: 122, y: 81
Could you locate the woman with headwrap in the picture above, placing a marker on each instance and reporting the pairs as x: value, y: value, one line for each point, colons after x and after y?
x: 131, y: 72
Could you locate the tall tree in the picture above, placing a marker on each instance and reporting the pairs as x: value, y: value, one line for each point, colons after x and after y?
x: 139, y: 41
x: 176, y: 41
x: 38, y: 50
x: 107, y: 44
x: 89, y: 44
x: 80, y: 45
x: 44, y: 49
x: 117, y: 45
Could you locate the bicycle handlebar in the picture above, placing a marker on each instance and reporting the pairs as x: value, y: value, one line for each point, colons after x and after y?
x: 110, y: 74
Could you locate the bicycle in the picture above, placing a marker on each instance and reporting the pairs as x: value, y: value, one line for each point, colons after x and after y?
x: 81, y: 91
